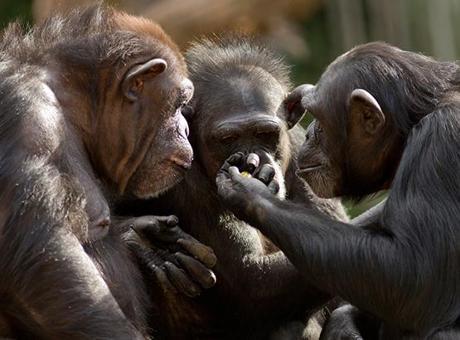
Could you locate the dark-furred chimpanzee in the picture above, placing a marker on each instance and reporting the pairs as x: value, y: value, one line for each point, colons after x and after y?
x: 89, y: 111
x: 239, y: 86
x: 384, y: 118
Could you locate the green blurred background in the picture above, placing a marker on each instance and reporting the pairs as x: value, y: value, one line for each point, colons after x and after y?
x: 309, y: 33
x: 15, y: 9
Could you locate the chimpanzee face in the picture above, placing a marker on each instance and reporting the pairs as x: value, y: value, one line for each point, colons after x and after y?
x: 316, y: 161
x: 242, y: 114
x: 339, y: 154
x: 141, y: 142
x: 162, y: 137
x: 260, y: 133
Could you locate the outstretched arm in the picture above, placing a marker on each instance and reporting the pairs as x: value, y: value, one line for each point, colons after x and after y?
x: 265, y: 275
x: 347, y: 321
x: 366, y: 266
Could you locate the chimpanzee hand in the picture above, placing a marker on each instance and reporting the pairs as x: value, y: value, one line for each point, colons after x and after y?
x: 349, y: 323
x: 178, y: 261
x: 297, y: 103
x: 240, y: 190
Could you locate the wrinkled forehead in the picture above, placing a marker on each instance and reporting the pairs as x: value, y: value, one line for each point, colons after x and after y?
x: 242, y: 95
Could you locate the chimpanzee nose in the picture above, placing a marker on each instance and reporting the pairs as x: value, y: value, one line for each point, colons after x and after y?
x: 182, y: 127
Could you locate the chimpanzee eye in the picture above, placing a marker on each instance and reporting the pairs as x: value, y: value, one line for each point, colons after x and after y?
x: 265, y: 134
x: 228, y: 139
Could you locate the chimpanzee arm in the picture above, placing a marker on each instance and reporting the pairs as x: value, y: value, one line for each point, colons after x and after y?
x: 347, y: 321
x: 262, y: 277
x: 52, y: 287
x: 244, y: 266
x: 370, y: 267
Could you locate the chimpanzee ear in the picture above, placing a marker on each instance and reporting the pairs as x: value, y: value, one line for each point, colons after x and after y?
x: 133, y: 83
x: 295, y: 105
x: 365, y: 111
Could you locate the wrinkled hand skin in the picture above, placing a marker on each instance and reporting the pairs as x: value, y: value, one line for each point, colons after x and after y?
x: 240, y: 192
x: 180, y: 263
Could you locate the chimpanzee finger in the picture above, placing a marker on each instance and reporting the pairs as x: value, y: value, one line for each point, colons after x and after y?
x: 222, y: 178
x: 163, y: 280
x: 266, y: 173
x: 171, y: 220
x: 224, y: 183
x: 252, y: 162
x: 199, y: 273
x: 165, y: 219
x: 181, y: 281
x: 234, y: 173
x: 160, y: 227
x: 274, y: 187
x: 296, y: 104
x: 198, y: 250
x: 145, y: 225
x: 237, y: 159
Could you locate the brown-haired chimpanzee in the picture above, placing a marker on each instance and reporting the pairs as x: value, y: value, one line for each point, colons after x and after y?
x: 384, y: 118
x: 90, y: 110
x: 239, y: 86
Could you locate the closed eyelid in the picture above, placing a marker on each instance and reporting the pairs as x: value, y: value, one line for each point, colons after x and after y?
x: 224, y: 133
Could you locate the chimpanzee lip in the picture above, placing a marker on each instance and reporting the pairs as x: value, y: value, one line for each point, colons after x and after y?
x: 181, y: 163
x: 308, y: 168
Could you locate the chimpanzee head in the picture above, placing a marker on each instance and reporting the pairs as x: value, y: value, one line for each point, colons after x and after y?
x: 237, y: 105
x: 364, y: 106
x: 127, y: 92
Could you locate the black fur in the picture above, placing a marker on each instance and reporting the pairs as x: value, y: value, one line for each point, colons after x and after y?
x: 402, y: 267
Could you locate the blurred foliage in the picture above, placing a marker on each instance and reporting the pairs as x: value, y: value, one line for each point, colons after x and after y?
x: 316, y: 32
x: 357, y: 208
x: 15, y: 9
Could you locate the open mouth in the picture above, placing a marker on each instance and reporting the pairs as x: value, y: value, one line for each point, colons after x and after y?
x: 309, y: 168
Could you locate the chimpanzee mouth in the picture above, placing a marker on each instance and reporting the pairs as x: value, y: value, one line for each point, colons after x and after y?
x: 176, y: 172
x: 146, y: 183
x: 309, y: 168
x: 181, y: 165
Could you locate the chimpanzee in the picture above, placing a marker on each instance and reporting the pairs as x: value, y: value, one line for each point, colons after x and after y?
x: 384, y: 118
x: 90, y: 110
x: 239, y: 86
